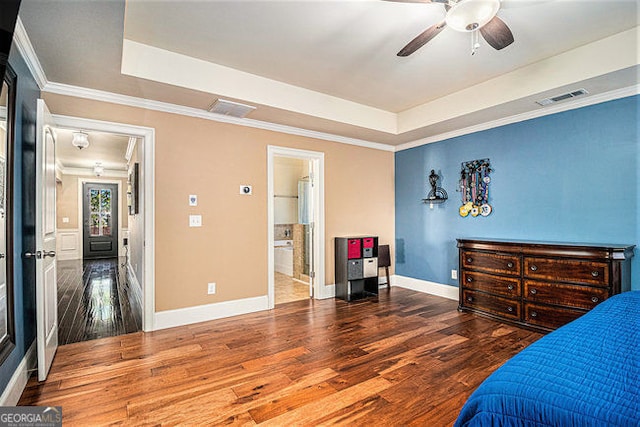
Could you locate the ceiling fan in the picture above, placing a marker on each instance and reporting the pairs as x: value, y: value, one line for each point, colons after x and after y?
x: 467, y: 16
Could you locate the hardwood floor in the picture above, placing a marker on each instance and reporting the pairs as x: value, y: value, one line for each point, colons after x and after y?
x: 96, y: 300
x: 404, y: 359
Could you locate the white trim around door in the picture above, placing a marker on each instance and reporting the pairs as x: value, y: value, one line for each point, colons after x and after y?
x: 317, y: 160
x: 147, y: 185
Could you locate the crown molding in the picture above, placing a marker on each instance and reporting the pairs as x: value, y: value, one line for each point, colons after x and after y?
x: 132, y: 101
x: 542, y: 111
x: 23, y: 43
x: 108, y: 173
x: 130, y: 146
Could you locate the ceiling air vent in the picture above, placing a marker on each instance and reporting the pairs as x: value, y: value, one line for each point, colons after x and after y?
x: 230, y: 108
x: 562, y: 97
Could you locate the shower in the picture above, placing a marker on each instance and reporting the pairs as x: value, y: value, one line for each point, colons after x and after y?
x: 304, y: 190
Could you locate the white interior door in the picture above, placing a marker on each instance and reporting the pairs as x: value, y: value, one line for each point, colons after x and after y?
x: 46, y: 276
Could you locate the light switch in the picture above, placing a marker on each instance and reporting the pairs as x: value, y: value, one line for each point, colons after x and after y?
x: 195, y: 220
x: 193, y: 200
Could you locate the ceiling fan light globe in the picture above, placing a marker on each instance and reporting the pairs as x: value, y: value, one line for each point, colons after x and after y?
x: 469, y: 15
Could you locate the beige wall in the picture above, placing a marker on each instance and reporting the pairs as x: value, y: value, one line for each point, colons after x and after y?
x: 211, y: 159
x: 67, y: 200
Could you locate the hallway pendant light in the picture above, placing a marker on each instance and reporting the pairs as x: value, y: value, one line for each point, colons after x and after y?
x: 80, y: 140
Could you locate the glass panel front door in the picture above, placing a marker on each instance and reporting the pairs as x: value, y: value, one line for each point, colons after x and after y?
x: 101, y: 207
x: 100, y: 238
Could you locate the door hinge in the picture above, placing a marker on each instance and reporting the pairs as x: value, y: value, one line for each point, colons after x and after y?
x: 312, y: 274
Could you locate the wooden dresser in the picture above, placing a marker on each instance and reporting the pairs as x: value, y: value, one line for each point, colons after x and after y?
x: 541, y: 285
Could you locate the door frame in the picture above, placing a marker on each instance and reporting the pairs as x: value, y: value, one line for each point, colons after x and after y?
x: 317, y: 159
x: 81, y: 182
x: 147, y: 199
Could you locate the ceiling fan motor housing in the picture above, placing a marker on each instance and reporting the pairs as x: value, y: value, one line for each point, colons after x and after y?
x: 469, y: 15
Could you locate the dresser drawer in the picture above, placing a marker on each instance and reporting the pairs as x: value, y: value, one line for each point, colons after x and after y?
x: 593, y: 273
x: 549, y: 317
x: 499, y: 306
x: 507, y: 286
x: 566, y: 295
x: 491, y: 263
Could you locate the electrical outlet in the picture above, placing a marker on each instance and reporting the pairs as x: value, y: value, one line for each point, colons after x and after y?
x: 211, y: 288
x: 454, y: 274
x: 195, y: 220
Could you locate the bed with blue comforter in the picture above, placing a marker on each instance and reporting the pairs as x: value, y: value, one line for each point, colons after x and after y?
x: 586, y: 373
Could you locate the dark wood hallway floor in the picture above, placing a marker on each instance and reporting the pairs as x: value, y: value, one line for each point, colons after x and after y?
x: 96, y: 300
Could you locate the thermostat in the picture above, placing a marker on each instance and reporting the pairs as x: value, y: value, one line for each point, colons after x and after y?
x: 245, y: 190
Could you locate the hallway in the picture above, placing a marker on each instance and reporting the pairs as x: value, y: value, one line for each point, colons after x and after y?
x: 95, y: 300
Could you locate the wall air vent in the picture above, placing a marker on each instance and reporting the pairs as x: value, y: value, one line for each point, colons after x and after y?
x: 562, y: 97
x: 230, y: 108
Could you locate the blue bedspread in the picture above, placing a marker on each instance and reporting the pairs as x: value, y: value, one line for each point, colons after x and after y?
x: 586, y: 373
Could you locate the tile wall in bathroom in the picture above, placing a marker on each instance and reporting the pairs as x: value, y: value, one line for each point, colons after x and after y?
x: 283, y: 232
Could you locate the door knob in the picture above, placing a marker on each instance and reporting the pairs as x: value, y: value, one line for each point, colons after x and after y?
x: 51, y: 254
x: 36, y: 254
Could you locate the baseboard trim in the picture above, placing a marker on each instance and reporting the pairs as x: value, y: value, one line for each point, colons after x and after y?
x: 18, y: 381
x: 131, y: 276
x: 202, y: 313
x: 326, y: 292
x: 432, y: 288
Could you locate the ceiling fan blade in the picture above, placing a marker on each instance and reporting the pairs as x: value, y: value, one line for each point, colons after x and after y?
x: 422, y: 39
x: 496, y: 33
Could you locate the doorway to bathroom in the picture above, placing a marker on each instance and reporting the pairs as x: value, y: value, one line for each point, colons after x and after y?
x: 295, y: 224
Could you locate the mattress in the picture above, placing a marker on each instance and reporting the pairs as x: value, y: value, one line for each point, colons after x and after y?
x: 586, y: 373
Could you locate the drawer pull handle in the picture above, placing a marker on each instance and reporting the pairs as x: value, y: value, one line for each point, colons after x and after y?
x: 469, y: 260
x: 595, y: 273
x: 509, y: 265
x: 469, y: 279
x: 510, y: 287
x: 510, y: 309
x: 534, y: 314
x: 470, y: 299
x: 534, y: 267
x: 595, y: 299
x: 533, y: 291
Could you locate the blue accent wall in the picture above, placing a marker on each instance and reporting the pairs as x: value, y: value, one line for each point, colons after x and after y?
x: 572, y: 176
x: 27, y: 92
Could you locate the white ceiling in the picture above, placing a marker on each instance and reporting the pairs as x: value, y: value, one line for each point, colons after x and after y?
x: 106, y: 148
x: 331, y: 66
